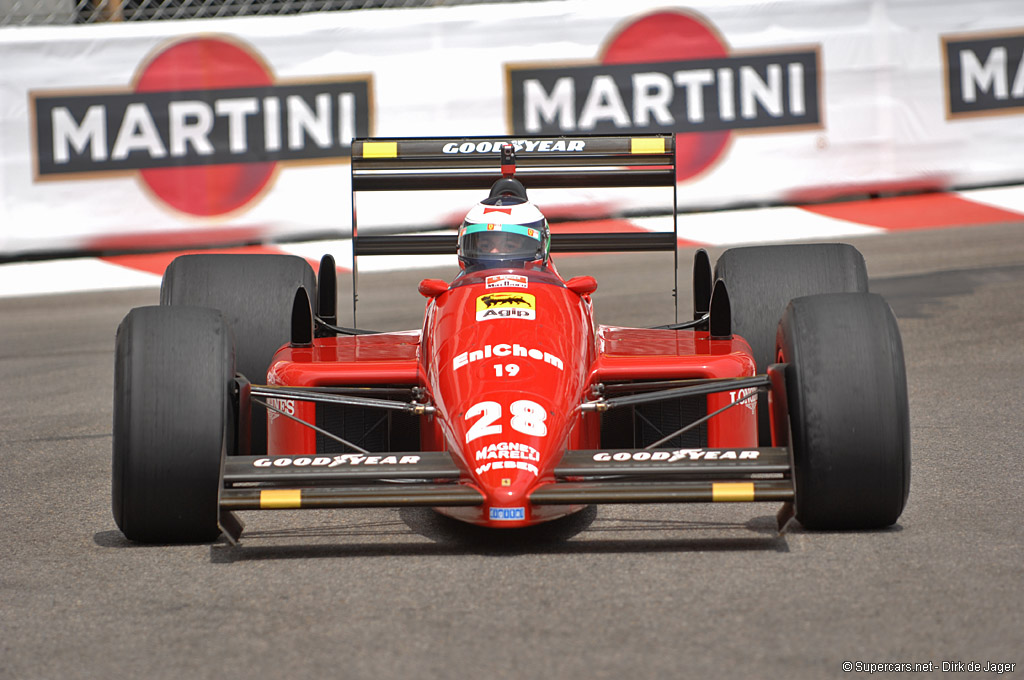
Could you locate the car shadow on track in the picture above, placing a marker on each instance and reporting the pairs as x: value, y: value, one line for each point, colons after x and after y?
x: 422, y: 532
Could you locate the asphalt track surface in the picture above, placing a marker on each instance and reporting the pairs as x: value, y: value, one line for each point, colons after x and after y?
x: 633, y: 592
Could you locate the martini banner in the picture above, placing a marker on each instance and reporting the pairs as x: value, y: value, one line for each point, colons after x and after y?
x: 130, y: 136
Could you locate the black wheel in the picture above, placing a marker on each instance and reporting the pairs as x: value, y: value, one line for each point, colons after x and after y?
x: 848, y: 410
x: 173, y: 373
x: 255, y: 295
x: 761, y: 280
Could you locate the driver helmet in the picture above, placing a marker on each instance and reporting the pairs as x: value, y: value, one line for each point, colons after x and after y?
x: 503, y: 231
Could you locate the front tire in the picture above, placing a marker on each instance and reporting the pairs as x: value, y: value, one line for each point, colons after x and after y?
x: 173, y: 371
x: 848, y: 408
x: 761, y: 280
x: 255, y: 294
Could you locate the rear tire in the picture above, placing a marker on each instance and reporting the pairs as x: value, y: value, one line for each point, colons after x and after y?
x: 172, y: 388
x: 255, y: 294
x: 761, y: 280
x: 848, y: 409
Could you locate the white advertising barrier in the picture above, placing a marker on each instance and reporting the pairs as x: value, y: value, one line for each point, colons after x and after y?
x: 172, y: 133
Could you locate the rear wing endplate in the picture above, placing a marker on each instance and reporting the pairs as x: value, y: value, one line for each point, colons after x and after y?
x: 438, y: 163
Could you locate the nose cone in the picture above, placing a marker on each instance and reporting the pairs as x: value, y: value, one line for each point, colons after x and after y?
x: 506, y: 472
x: 510, y: 444
x: 507, y: 372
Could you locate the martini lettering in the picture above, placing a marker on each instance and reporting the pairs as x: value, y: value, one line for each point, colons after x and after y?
x: 133, y: 131
x: 701, y: 95
x: 985, y: 74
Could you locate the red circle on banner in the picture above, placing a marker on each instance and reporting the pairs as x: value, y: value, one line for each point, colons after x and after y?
x: 674, y: 36
x: 205, y: 64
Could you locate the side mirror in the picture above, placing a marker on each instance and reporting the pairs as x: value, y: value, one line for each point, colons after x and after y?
x: 702, y: 284
x: 721, y: 312
x: 431, y: 288
x: 581, y: 285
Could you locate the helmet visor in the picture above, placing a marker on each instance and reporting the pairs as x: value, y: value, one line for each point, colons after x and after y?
x: 494, y: 242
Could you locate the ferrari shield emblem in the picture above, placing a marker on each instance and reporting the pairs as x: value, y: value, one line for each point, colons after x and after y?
x: 506, y: 306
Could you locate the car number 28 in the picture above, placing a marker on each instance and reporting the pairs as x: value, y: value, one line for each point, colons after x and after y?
x: 527, y: 417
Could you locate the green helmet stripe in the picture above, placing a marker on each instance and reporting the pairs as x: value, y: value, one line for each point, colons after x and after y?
x: 531, y: 232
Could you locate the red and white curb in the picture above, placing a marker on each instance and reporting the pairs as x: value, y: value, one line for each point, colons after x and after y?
x: 832, y: 221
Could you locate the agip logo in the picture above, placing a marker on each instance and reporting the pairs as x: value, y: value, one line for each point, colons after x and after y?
x: 506, y: 306
x: 205, y: 124
x: 670, y: 72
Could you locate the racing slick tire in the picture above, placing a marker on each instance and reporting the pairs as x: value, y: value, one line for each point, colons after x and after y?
x: 255, y: 294
x: 761, y: 280
x: 173, y: 375
x: 848, y: 410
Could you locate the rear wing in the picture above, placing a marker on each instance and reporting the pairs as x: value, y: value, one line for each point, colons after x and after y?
x: 438, y: 163
x: 541, y: 163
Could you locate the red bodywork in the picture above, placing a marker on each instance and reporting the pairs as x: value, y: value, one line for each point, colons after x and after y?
x: 506, y: 368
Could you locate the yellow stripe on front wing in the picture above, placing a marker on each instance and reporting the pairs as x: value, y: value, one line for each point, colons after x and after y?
x: 280, y: 498
x: 732, y: 491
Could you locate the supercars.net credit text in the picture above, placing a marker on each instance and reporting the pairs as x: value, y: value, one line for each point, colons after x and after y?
x: 929, y: 667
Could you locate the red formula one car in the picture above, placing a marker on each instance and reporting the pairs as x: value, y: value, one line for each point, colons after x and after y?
x: 510, y: 406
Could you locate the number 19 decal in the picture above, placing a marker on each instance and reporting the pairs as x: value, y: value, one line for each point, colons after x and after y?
x: 527, y: 417
x: 501, y: 370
